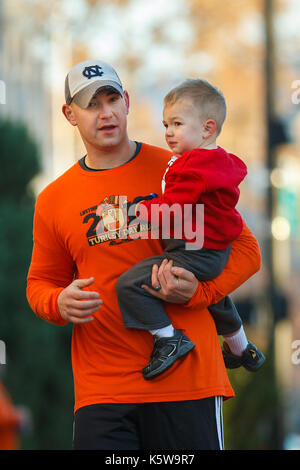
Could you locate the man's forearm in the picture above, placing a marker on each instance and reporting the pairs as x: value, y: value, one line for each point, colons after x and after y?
x: 51, y: 269
x: 42, y: 298
x: 244, y: 261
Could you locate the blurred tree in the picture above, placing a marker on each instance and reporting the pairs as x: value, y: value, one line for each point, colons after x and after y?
x: 34, y: 349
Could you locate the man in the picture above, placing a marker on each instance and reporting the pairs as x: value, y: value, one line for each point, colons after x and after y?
x: 79, y: 253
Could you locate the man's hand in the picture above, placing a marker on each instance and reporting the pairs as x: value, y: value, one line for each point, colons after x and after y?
x: 76, y: 305
x: 172, y: 284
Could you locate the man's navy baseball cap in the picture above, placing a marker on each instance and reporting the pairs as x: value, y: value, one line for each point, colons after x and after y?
x: 87, y: 78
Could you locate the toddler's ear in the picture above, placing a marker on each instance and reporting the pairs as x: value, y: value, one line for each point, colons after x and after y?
x: 210, y: 127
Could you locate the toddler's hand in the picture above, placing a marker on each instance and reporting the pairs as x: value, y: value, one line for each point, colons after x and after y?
x: 144, y: 198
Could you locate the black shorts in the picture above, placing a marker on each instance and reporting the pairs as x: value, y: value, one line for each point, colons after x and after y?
x: 184, y: 425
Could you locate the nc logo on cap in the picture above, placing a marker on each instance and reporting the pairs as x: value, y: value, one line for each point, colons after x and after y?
x: 92, y: 71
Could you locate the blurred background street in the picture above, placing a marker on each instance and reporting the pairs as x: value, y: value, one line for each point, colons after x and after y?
x: 250, y: 49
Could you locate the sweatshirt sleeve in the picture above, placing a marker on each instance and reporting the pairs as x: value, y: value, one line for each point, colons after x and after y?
x: 244, y: 262
x: 184, y: 185
x: 51, y: 269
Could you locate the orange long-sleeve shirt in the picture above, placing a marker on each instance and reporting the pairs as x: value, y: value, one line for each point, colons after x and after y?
x: 75, y: 235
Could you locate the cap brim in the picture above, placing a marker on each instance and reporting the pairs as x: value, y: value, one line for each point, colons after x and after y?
x: 83, y: 97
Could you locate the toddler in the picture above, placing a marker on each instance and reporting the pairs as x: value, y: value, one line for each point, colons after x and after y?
x: 199, y: 173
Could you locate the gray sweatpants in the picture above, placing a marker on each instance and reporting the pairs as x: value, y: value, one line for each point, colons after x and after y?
x: 143, y: 311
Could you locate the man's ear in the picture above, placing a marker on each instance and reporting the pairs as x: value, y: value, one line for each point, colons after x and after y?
x: 69, y: 114
x: 126, y: 99
x: 210, y: 127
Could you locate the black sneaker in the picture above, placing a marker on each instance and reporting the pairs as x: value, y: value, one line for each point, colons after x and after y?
x: 252, y: 359
x: 165, y: 352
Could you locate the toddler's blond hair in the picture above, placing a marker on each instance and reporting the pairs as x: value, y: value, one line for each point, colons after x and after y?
x: 206, y: 98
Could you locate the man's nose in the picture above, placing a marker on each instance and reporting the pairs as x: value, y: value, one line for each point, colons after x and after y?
x: 105, y: 111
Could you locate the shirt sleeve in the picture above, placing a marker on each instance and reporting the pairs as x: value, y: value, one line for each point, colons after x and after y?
x: 184, y: 185
x: 244, y: 262
x: 51, y: 269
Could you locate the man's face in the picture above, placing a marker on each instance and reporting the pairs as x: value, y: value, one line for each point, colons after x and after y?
x: 103, y: 124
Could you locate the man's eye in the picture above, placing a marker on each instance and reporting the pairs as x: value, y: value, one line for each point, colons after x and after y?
x: 177, y: 123
x: 92, y: 104
x: 114, y: 98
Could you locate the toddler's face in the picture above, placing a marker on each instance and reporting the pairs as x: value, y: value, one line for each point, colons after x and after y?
x: 184, y: 127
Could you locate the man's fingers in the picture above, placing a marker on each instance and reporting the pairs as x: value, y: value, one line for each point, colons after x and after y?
x: 155, y: 293
x: 86, y: 304
x: 85, y: 294
x: 161, y: 274
x: 79, y: 320
x: 166, y: 277
x: 77, y: 305
x: 79, y: 313
x: 158, y: 279
x: 166, y: 270
x: 177, y: 284
x: 154, y: 278
x: 81, y: 283
x: 182, y: 273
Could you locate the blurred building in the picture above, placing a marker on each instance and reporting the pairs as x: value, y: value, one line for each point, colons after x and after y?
x: 32, y: 79
x: 26, y: 96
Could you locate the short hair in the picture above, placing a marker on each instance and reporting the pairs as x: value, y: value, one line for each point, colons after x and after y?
x: 207, y: 98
